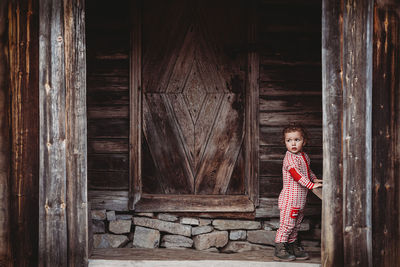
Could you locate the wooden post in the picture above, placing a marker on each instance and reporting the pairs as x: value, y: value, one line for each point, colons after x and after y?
x: 76, y: 131
x: 135, y: 92
x: 332, y: 104
x: 5, y: 246
x: 24, y: 114
x: 62, y: 88
x: 385, y: 105
x: 347, y: 86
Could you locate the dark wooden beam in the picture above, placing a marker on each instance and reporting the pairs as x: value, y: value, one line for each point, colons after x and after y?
x: 76, y: 131
x: 63, y: 230
x: 385, y: 131
x: 135, y: 92
x: 332, y: 104
x: 5, y: 244
x: 24, y: 114
x: 357, y: 136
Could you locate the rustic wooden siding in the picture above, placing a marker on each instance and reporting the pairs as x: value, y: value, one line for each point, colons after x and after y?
x: 289, y: 48
x: 108, y: 94
x: 5, y: 237
x: 290, y: 84
x: 24, y: 128
x: 385, y: 132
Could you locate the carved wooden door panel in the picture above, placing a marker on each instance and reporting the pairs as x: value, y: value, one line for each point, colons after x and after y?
x: 193, y: 106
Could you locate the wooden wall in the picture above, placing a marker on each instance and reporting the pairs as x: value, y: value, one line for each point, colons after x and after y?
x: 290, y: 89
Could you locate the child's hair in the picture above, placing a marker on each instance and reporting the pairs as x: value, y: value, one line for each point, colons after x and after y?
x: 293, y: 127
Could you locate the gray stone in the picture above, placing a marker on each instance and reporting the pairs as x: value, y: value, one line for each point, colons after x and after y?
x: 123, y: 217
x: 98, y: 214
x: 120, y: 226
x: 213, y: 249
x: 261, y: 237
x: 236, y: 225
x: 242, y: 246
x: 169, y: 227
x: 109, y: 241
x: 176, y: 241
x: 111, y: 215
x: 238, y: 235
x: 202, y: 229
x: 203, y: 221
x: 146, y: 238
x: 190, y: 221
x: 98, y: 227
x: 145, y: 214
x: 215, y: 239
x: 273, y: 224
x: 167, y: 217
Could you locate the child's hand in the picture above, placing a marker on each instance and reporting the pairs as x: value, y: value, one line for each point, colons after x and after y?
x: 317, y: 180
x: 317, y: 185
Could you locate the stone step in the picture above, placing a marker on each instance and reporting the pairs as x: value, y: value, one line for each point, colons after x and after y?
x: 196, y: 263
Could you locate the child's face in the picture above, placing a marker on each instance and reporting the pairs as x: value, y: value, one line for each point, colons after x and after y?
x: 294, y: 142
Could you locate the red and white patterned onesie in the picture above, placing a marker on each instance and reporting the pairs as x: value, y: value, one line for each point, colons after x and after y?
x: 297, y: 179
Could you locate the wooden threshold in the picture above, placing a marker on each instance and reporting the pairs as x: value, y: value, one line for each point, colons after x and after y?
x: 194, y: 203
x: 189, y: 257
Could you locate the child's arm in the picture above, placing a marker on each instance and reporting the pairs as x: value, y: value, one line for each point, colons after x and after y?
x: 304, y: 181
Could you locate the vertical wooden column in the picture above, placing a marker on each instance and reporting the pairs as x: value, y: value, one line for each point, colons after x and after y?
x: 347, y: 86
x: 385, y: 106
x: 332, y: 104
x: 76, y: 131
x: 62, y: 90
x: 5, y: 245
x: 135, y: 93
x: 357, y: 135
x: 24, y: 128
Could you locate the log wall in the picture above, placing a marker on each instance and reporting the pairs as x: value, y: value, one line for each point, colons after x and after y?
x: 290, y: 89
x: 5, y: 244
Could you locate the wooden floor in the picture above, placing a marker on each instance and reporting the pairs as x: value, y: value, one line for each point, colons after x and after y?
x: 190, y: 258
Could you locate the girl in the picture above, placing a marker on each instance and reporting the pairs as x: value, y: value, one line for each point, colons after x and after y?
x: 298, y: 178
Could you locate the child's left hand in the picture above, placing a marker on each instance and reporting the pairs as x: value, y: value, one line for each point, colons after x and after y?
x: 317, y: 181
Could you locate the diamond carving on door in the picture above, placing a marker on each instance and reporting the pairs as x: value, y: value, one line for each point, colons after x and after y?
x: 193, y: 109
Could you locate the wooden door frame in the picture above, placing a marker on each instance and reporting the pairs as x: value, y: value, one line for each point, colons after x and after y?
x: 201, y: 203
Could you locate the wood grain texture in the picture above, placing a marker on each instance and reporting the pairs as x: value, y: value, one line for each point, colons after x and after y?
x: 135, y: 108
x: 24, y: 113
x: 5, y: 140
x: 332, y: 67
x: 53, y: 235
x: 385, y: 132
x: 76, y: 130
x: 357, y: 137
x: 194, y: 203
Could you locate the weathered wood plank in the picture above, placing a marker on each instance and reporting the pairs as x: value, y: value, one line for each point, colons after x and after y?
x: 278, y: 153
x: 286, y: 88
x: 98, y: 146
x: 357, y: 98
x: 108, y: 128
x: 53, y: 235
x: 111, y: 180
x: 194, y: 203
x: 274, y: 167
x: 290, y: 73
x: 24, y: 112
x: 273, y: 119
x: 76, y: 130
x: 272, y: 136
x: 223, y: 146
x: 108, y: 162
x: 5, y: 141
x: 107, y: 112
x: 385, y: 131
x: 305, y: 103
x: 252, y: 110
x: 269, y: 208
x: 108, y: 200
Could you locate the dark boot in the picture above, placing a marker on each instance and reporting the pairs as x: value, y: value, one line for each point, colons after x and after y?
x: 298, y: 251
x: 282, y: 252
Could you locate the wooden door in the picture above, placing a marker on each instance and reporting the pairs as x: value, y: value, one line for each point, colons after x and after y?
x: 194, y: 78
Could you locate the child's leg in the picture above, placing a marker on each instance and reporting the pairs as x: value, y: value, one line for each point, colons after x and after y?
x: 288, y: 218
x: 293, y: 235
